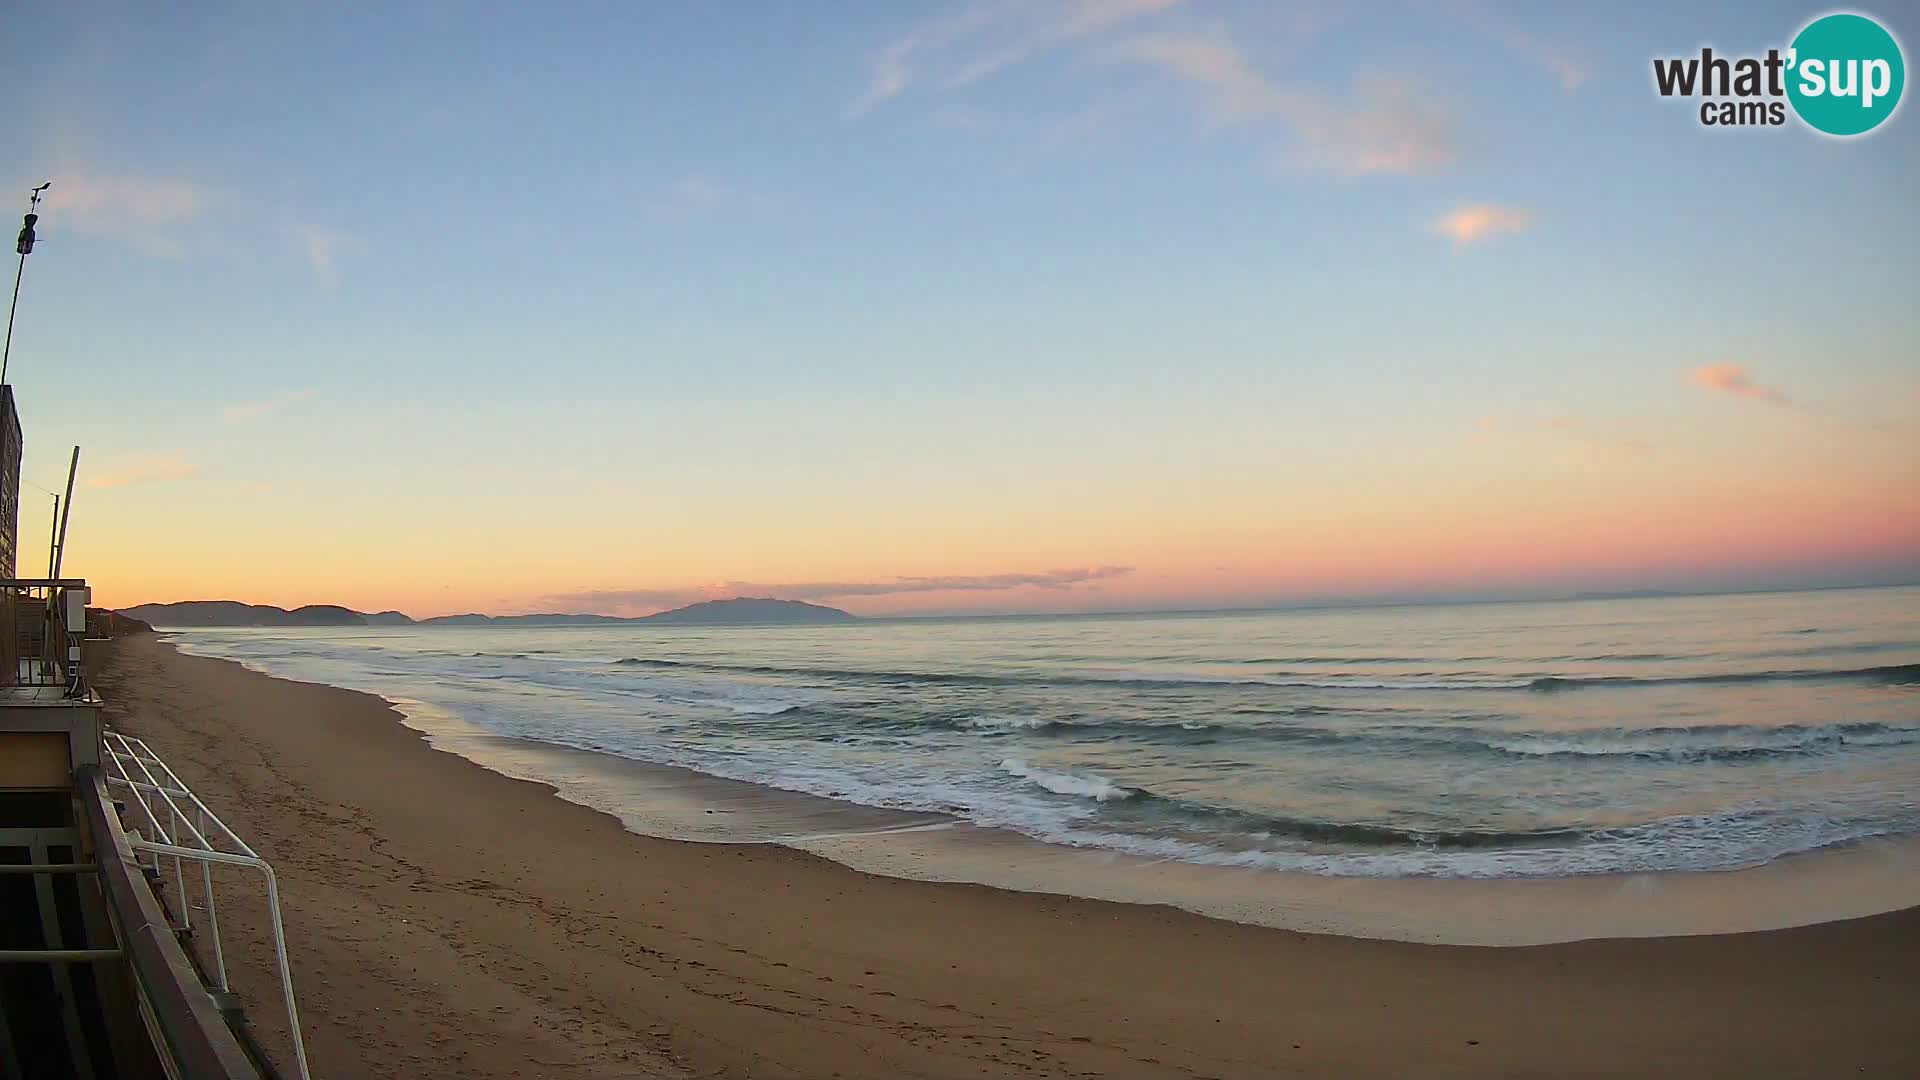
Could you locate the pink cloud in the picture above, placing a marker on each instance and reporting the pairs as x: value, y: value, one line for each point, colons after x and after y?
x: 1475, y: 222
x: 109, y: 198
x: 1384, y: 125
x: 1733, y: 379
x: 149, y: 213
x: 1389, y: 125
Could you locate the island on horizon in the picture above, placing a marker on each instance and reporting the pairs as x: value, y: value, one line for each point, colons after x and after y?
x: 735, y: 611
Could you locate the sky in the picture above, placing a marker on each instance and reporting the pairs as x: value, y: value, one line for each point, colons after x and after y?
x: 945, y: 308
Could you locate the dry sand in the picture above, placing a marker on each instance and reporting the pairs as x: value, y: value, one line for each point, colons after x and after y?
x: 449, y: 921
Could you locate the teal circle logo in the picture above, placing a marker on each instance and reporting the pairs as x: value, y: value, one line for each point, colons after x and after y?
x: 1845, y: 74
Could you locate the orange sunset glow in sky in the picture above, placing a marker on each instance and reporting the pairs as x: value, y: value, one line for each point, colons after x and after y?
x: 989, y: 309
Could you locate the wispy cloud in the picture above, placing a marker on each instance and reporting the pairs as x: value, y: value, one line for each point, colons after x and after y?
x: 1733, y: 379
x: 620, y: 601
x: 894, y: 67
x: 1048, y: 579
x: 1477, y: 221
x: 1562, y: 61
x: 254, y: 410
x: 147, y: 212
x: 131, y: 469
x: 696, y: 192
x: 629, y: 600
x: 986, y: 38
x: 171, y: 216
x: 1390, y: 126
x: 320, y: 247
x: 1385, y: 124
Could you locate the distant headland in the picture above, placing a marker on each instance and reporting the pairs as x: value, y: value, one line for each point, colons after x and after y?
x: 738, y: 611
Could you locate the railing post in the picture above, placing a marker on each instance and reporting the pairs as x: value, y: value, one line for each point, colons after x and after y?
x: 213, y: 914
x: 179, y: 872
x: 286, y: 971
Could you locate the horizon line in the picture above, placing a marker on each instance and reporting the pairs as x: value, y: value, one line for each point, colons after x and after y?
x: 1316, y: 605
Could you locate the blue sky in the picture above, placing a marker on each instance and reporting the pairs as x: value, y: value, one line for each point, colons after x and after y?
x: 517, y: 305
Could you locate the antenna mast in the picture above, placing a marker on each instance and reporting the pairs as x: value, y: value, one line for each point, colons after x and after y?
x: 23, y: 245
x: 60, y: 549
x: 53, y: 535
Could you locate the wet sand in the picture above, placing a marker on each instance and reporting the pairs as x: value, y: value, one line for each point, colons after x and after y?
x: 446, y: 920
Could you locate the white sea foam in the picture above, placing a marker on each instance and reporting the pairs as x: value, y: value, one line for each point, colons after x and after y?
x: 762, y: 707
x: 1006, y: 723
x: 1097, y: 788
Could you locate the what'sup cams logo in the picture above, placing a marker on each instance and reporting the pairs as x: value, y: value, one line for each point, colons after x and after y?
x: 1842, y: 75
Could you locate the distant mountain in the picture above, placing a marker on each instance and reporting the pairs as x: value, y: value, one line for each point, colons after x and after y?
x: 751, y: 609
x: 188, y: 613
x: 742, y: 610
x: 325, y: 615
x: 739, y: 610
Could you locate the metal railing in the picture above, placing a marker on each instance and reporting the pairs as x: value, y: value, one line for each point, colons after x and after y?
x: 42, y: 623
x: 187, y: 831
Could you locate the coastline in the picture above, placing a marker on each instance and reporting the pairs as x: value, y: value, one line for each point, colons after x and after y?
x: 449, y: 919
x: 668, y: 802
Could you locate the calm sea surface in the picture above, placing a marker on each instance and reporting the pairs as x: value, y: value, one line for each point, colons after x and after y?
x: 1488, y: 740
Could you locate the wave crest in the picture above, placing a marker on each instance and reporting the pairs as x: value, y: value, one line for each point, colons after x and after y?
x: 1097, y: 788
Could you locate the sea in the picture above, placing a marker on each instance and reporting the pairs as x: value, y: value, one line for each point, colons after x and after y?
x: 1525, y: 740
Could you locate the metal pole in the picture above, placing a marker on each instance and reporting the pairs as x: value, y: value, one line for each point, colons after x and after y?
x: 8, y: 355
x: 213, y: 912
x: 53, y: 534
x: 61, y: 547
x: 180, y: 876
x: 286, y: 971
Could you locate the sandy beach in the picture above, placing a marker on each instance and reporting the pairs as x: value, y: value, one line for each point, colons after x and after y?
x: 446, y: 920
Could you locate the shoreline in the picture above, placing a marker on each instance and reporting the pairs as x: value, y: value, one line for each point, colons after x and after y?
x: 671, y: 802
x: 448, y: 919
